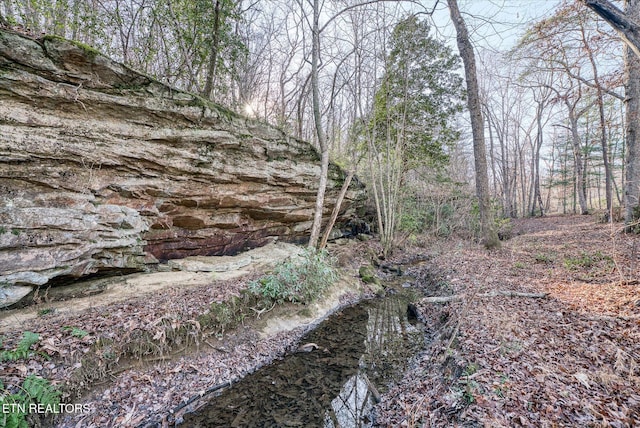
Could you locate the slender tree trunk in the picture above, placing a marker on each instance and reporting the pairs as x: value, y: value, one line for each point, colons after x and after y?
x: 537, y: 193
x: 8, y: 11
x: 317, y: 117
x: 578, y: 162
x: 336, y: 209
x: 60, y: 18
x: 492, y: 154
x: 489, y: 233
x: 215, y: 48
x: 603, y: 129
x: 627, y: 24
x: 632, y: 91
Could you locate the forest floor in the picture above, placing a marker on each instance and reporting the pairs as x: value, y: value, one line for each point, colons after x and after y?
x: 569, y: 359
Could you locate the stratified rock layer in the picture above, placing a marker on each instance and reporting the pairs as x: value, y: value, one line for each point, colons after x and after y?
x: 103, y: 168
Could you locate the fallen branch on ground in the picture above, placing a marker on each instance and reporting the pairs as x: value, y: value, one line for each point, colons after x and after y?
x: 460, y: 297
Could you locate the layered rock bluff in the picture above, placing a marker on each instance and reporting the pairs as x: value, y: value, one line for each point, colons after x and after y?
x: 103, y: 168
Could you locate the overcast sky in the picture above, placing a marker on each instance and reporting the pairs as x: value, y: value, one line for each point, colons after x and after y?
x: 494, y: 23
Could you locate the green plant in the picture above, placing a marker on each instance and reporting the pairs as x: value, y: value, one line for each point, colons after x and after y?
x: 15, y: 231
x: 502, y: 389
x: 46, y: 311
x: 222, y: 316
x: 3, y: 230
x: 519, y: 265
x: 585, y: 260
x: 33, y: 389
x: 468, y: 397
x: 23, y: 350
x: 298, y: 280
x: 470, y: 369
x: 543, y: 258
x: 76, y: 332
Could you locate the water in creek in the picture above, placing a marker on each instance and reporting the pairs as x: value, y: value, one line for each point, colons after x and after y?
x: 360, y: 351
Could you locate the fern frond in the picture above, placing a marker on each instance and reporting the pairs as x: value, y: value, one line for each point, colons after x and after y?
x: 41, y: 390
x: 23, y: 351
x: 28, y: 338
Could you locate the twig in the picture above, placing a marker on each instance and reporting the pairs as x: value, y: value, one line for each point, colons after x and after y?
x: 507, y: 293
x: 262, y: 311
x: 75, y: 99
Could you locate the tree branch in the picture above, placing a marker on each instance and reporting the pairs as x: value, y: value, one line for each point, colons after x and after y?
x: 507, y: 293
x: 628, y: 29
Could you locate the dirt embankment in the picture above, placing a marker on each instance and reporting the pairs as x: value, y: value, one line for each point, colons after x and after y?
x: 570, y: 359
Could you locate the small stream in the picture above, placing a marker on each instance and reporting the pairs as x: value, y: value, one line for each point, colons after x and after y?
x: 360, y: 351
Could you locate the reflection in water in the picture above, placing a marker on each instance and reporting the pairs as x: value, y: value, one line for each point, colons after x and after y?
x: 352, y: 405
x: 361, y: 350
x: 388, y: 331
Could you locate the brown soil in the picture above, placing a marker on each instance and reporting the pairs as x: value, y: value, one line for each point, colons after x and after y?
x: 571, y: 359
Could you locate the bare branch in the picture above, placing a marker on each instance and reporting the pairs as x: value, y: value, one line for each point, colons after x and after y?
x: 628, y: 29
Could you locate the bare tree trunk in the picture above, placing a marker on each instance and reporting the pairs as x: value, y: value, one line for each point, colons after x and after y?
x: 487, y: 224
x: 537, y: 193
x: 213, y: 56
x: 627, y: 24
x: 632, y: 90
x: 579, y: 167
x: 60, y: 18
x: 317, y: 117
x: 603, y: 129
x: 492, y: 154
x: 336, y: 209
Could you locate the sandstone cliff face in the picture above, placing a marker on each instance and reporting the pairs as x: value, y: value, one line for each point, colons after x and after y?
x: 103, y: 168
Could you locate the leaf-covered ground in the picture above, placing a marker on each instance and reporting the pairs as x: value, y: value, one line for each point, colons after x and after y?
x: 571, y: 359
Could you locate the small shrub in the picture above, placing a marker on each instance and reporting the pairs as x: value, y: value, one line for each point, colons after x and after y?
x: 46, y: 311
x: 298, y: 280
x: 504, y: 226
x: 470, y: 369
x: 543, y: 258
x: 585, y: 260
x: 222, y: 316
